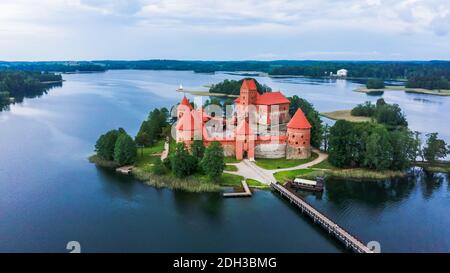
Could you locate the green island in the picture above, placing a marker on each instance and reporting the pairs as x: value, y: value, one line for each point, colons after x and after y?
x: 369, y: 142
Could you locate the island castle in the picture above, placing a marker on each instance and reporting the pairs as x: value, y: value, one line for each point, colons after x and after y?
x: 260, y: 126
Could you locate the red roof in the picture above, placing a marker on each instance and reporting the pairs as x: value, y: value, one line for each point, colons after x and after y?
x: 299, y: 121
x: 185, y: 101
x: 271, y: 98
x: 249, y: 84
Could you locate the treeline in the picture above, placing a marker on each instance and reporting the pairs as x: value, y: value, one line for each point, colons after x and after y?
x: 367, y: 69
x: 21, y: 84
x: 372, y: 146
x: 359, y: 69
x: 430, y: 82
x: 388, y: 114
x: 64, y: 67
x: 233, y: 87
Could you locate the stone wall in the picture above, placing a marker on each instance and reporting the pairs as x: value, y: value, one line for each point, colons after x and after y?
x: 229, y: 150
x: 270, y: 150
x: 297, y: 152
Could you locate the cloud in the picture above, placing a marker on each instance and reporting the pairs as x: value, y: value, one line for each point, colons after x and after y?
x: 93, y: 25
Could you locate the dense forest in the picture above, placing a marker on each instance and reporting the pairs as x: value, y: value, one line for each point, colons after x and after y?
x: 16, y: 85
x: 356, y: 69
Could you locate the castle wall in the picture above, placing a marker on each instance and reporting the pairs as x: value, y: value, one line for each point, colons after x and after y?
x: 297, y: 152
x: 229, y: 149
x: 270, y: 150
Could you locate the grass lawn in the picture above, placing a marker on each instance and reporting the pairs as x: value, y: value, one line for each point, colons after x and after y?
x: 145, y: 156
x: 230, y: 159
x: 283, y: 176
x: 323, y: 165
x: 281, y: 163
x: 255, y: 183
x: 231, y: 168
x: 230, y: 180
x: 344, y: 115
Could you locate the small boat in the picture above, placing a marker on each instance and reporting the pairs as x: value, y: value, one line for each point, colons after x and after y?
x: 309, y: 185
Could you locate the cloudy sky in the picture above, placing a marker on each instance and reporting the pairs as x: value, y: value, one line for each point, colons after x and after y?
x: 225, y: 30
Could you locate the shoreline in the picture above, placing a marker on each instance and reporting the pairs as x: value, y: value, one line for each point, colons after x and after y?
x: 390, y: 88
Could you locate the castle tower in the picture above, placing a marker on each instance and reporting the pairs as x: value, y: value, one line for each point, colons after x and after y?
x: 245, y: 141
x: 299, y: 137
x: 185, y: 106
x: 248, y: 93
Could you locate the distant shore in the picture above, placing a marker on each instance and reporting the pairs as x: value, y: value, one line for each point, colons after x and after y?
x: 437, y: 92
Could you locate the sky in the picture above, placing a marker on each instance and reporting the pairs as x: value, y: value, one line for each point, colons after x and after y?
x: 38, y: 30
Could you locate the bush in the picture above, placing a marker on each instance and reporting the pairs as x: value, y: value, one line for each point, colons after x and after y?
x: 159, y: 168
x: 364, y: 110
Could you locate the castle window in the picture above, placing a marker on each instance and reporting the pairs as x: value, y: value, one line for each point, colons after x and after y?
x: 302, y: 136
x: 296, y: 143
x: 304, y: 143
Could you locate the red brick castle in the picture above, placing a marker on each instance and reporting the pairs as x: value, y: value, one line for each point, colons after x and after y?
x: 260, y: 126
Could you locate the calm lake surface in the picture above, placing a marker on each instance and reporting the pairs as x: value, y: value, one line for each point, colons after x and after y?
x: 50, y: 194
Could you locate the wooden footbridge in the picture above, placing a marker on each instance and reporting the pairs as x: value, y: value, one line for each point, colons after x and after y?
x: 342, y: 235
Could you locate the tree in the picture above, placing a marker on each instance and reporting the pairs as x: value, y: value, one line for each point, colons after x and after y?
x: 378, y: 153
x: 365, y: 110
x: 213, y: 161
x: 105, y: 145
x: 142, y: 140
x: 311, y: 115
x: 154, y: 125
x: 391, y: 115
x: 198, y: 149
x: 404, y: 148
x: 435, y: 148
x: 183, y: 164
x: 375, y: 84
x: 125, y: 150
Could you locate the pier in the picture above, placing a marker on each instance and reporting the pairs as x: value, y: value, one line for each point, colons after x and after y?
x: 245, y: 193
x: 342, y: 235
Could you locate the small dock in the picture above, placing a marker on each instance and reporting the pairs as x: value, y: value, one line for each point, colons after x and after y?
x: 125, y: 169
x: 342, y: 235
x: 245, y: 193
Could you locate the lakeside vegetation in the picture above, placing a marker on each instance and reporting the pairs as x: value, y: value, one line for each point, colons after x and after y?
x: 17, y: 85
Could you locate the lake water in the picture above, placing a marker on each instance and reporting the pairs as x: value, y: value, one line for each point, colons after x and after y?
x: 50, y: 194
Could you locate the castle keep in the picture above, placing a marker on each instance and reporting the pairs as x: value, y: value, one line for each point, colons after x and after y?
x: 260, y: 126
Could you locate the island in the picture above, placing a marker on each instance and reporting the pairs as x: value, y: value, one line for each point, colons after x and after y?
x: 263, y: 138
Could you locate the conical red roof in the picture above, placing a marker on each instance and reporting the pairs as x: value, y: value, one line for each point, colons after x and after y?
x: 185, y: 101
x: 249, y: 84
x: 299, y: 121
